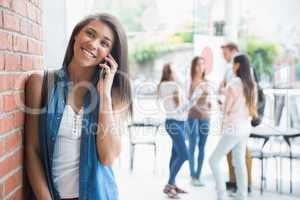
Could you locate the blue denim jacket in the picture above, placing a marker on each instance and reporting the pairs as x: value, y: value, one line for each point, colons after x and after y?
x: 96, y: 182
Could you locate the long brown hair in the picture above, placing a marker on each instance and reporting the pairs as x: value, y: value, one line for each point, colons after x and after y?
x: 119, y: 52
x: 167, y: 75
x: 194, y: 65
x: 244, y: 74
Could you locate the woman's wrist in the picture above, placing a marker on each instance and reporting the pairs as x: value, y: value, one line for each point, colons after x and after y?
x: 105, y: 102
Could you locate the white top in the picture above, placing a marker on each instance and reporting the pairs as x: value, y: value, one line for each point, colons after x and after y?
x: 229, y: 73
x: 67, y: 153
x: 236, y: 112
x: 166, y: 92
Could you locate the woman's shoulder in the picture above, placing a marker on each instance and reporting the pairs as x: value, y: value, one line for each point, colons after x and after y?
x: 34, y: 89
x: 35, y: 79
x: 168, y: 85
x: 235, y: 81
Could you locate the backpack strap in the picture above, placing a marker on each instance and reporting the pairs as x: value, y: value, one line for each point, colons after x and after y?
x: 49, y: 79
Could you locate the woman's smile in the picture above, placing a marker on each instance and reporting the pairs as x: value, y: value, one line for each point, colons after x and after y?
x: 87, y: 53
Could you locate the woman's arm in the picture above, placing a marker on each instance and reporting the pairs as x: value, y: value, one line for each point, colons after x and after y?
x: 229, y: 100
x: 176, y: 98
x: 33, y: 162
x: 108, y: 137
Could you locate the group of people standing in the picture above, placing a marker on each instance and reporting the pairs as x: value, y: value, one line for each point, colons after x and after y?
x: 190, y: 118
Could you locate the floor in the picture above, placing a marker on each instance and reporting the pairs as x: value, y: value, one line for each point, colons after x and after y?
x: 149, y: 187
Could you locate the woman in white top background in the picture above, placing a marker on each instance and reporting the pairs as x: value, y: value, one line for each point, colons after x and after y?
x: 239, y: 108
x: 170, y: 99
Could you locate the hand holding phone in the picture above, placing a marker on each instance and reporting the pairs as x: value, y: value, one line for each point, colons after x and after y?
x: 108, y: 69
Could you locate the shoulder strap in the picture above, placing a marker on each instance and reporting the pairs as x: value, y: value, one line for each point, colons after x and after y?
x: 48, y: 84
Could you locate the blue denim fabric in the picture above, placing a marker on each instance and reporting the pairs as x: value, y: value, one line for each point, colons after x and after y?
x: 179, y: 150
x: 197, y: 132
x: 96, y: 181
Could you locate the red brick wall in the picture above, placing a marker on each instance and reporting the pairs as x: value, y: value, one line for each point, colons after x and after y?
x: 20, y: 53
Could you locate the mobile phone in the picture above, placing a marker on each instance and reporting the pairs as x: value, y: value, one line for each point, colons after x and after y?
x: 102, y: 72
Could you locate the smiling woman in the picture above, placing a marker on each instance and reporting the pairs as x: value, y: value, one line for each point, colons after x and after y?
x: 66, y: 156
x: 92, y: 44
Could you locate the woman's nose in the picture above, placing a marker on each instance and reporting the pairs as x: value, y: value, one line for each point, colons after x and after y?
x: 93, y: 44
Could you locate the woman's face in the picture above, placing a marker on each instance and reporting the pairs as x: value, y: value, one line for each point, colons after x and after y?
x: 200, y: 66
x: 235, y: 67
x: 93, y: 42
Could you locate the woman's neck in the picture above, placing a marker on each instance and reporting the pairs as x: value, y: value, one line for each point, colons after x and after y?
x: 78, y: 73
x: 198, y: 79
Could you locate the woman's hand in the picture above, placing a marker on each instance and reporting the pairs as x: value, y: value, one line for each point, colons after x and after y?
x: 105, y: 82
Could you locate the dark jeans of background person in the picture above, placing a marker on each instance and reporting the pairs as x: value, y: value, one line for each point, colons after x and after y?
x: 197, y: 131
x: 179, y: 153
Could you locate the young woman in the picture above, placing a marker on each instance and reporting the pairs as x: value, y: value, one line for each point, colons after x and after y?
x: 70, y: 147
x: 240, y: 106
x: 198, y: 118
x: 170, y: 99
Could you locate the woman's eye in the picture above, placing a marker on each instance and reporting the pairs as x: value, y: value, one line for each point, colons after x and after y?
x: 90, y: 34
x: 105, y: 44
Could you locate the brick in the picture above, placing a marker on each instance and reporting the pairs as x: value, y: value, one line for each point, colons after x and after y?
x: 18, y: 158
x: 34, y: 47
x: 11, y: 22
x: 7, y: 165
x: 31, y: 11
x: 17, y: 195
x: 12, y: 141
x: 6, y: 124
x: 18, y: 81
x: 12, y: 62
x: 1, y: 62
x: 9, y: 103
x: 2, y: 147
x: 1, y: 105
x: 19, y: 119
x: 25, y: 27
x: 10, y: 184
x: 19, y: 43
x: 4, y: 85
x: 38, y: 63
x: 38, y: 16
x: 20, y: 7
x: 12, y: 102
x: 12, y: 82
x: 1, y: 19
x: 36, y: 31
x: 5, y: 3
x: 5, y: 41
x: 27, y: 62
x: 41, y: 33
x: 11, y: 121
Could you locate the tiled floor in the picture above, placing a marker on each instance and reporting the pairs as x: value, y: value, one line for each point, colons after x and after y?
x: 149, y: 187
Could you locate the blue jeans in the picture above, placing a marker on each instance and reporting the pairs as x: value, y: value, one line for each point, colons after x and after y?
x: 179, y: 150
x: 197, y: 132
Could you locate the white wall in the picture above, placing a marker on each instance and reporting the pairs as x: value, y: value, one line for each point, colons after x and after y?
x: 59, y: 19
x: 54, y: 33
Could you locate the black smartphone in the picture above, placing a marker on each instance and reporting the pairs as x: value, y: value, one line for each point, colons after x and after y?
x: 102, y: 70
